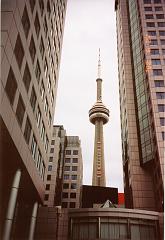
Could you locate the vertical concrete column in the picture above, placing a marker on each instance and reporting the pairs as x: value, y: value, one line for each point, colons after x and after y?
x: 99, y: 89
x: 33, y: 221
x: 11, y: 205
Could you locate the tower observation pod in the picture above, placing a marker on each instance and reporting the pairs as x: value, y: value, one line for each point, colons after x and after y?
x: 99, y: 115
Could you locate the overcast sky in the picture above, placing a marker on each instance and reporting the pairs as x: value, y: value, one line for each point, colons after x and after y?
x: 90, y: 25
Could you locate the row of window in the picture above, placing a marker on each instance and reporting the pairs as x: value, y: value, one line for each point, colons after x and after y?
x: 155, y: 42
x: 151, y: 16
x: 69, y: 152
x: 69, y: 168
x: 156, y: 51
x: 161, y: 107
x: 69, y: 186
x: 68, y: 160
x: 66, y: 195
x: 159, y: 83
x: 153, y: 24
x: 153, y: 33
x: 150, y: 1
x: 150, y: 9
x: 68, y: 204
x: 67, y: 177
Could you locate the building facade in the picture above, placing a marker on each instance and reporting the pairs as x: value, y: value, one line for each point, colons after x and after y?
x: 65, y: 170
x: 141, y: 70
x: 31, y: 41
x: 73, y: 173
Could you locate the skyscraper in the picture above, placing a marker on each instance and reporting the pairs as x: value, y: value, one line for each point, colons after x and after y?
x: 99, y: 115
x: 141, y: 61
x: 31, y: 41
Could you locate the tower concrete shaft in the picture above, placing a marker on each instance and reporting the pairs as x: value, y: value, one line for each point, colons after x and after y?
x: 99, y: 115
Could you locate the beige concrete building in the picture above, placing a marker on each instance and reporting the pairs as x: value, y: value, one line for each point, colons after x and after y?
x: 54, y: 172
x: 141, y: 70
x: 65, y: 170
x: 31, y: 41
x: 73, y: 173
x: 99, y: 115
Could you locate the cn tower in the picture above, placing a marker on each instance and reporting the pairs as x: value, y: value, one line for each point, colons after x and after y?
x: 99, y: 115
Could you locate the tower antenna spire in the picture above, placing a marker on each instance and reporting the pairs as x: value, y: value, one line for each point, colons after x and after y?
x: 99, y: 66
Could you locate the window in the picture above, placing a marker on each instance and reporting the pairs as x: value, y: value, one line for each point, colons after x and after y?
x: 33, y: 99
x: 161, y: 24
x: 156, y: 62
x: 152, y: 33
x: 157, y: 72
x: 42, y: 49
x: 42, y: 90
x: 18, y: 51
x: 74, y: 177
x: 46, y: 68
x: 162, y: 41
x: 163, y: 136
x: 45, y: 26
x: 42, y: 133
x: 32, y: 49
x: 37, y: 25
x: 73, y: 185
x: 162, y: 121
x: 49, y: 119
x: 39, y: 159
x: 160, y: 16
x: 49, y: 168
x: 67, y: 168
x: 148, y: 9
x: 159, y: 8
x: 149, y: 16
x: 74, y: 168
x: 66, y: 176
x: 68, y: 152
x: 72, y: 205
x: 52, y: 150
x: 46, y: 197
x: 27, y: 77
x: 49, y: 84
x: 150, y: 24
x: 46, y: 144
x: 20, y: 110
x: 147, y: 1
x: 75, y: 160
x: 41, y: 6
x: 154, y: 51
x: 27, y: 130
x: 65, y: 195
x: 72, y: 195
x: 46, y: 106
x: 159, y: 83
x: 75, y: 152
x: 32, y: 4
x: 52, y: 142
x: 162, y: 33
x: 65, y: 185
x: 64, y: 204
x: 47, y: 186
x: 157, y: 1
x: 67, y: 160
x: 161, y: 107
x: 52, y: 98
x: 51, y: 159
x: 11, y: 86
x: 163, y: 51
x: 25, y: 22
x: 48, y: 177
x: 33, y: 147
x: 154, y: 42
x: 160, y: 95
x: 38, y: 71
